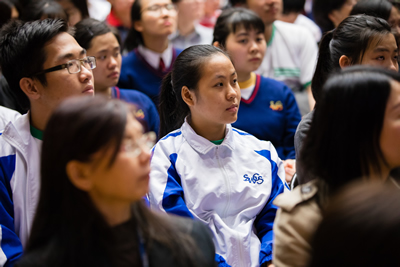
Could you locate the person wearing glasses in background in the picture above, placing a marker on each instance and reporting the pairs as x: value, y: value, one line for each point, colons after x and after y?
x: 153, y: 55
x: 43, y: 65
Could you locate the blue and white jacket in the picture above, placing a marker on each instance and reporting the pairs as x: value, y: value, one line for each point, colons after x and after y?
x: 19, y: 187
x: 230, y: 187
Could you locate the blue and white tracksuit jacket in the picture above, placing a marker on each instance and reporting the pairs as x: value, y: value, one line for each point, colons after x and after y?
x: 19, y: 187
x: 230, y: 187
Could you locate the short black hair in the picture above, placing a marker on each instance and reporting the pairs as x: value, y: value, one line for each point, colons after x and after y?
x: 295, y: 6
x: 43, y: 9
x: 233, y: 18
x: 22, y: 51
x: 89, y: 28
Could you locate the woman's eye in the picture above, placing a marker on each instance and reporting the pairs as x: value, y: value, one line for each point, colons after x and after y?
x: 116, y: 54
x: 234, y: 81
x: 219, y: 84
x: 380, y: 58
x: 101, y: 57
x: 243, y: 41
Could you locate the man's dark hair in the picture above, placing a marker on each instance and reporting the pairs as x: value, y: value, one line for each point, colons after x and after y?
x: 22, y: 51
x: 296, y: 6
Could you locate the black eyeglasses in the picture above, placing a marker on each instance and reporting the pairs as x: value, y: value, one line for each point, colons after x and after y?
x: 73, y: 66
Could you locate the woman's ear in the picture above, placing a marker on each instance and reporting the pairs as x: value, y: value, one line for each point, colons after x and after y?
x: 79, y: 175
x: 344, y: 61
x: 216, y: 44
x: 188, y: 96
x: 137, y: 25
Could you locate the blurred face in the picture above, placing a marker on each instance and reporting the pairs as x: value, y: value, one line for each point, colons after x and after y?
x: 394, y: 20
x: 338, y: 15
x: 61, y: 84
x: 382, y: 52
x: 247, y: 49
x: 268, y: 10
x: 106, y: 49
x: 158, y: 18
x: 218, y: 96
x: 190, y: 9
x: 74, y: 14
x: 210, y: 6
x: 389, y: 139
x: 127, y: 179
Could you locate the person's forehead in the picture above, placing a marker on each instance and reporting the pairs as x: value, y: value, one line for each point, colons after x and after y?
x: 104, y: 41
x: 61, y: 48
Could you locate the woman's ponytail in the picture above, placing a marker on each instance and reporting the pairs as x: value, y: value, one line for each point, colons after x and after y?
x: 324, y: 65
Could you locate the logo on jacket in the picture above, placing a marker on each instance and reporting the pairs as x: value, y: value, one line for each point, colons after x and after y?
x: 277, y: 106
x: 256, y: 179
x: 139, y: 114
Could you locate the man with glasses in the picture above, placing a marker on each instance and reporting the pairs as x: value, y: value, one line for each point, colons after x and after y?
x: 43, y: 65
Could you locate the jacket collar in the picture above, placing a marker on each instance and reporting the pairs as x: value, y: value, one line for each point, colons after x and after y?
x: 202, y: 145
x: 17, y: 132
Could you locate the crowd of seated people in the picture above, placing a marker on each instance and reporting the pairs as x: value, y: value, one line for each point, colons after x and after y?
x: 199, y: 133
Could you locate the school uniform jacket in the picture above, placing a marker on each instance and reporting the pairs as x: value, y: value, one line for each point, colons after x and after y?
x: 19, y: 187
x: 230, y: 187
x: 138, y: 74
x: 271, y: 114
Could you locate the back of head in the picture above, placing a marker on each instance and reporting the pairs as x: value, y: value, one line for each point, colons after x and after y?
x: 377, y: 8
x: 233, y: 19
x: 86, y: 30
x: 64, y: 211
x: 22, y: 51
x: 43, y: 9
x: 321, y: 10
x: 361, y: 228
x: 343, y: 141
x: 293, y: 6
x: 186, y: 71
x: 351, y: 38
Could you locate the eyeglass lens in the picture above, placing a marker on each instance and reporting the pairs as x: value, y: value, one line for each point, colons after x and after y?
x: 74, y: 66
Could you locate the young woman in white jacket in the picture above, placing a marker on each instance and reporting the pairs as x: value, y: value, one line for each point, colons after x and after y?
x: 205, y: 169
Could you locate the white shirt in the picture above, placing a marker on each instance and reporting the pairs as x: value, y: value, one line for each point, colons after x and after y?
x: 310, y: 25
x: 153, y: 58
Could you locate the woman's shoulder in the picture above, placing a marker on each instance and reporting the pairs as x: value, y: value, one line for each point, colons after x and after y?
x: 200, y: 234
x: 302, y: 201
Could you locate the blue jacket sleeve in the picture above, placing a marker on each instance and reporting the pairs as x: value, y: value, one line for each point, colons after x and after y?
x: 10, y: 245
x: 293, y: 118
x: 265, y: 219
x: 154, y: 118
x: 173, y: 197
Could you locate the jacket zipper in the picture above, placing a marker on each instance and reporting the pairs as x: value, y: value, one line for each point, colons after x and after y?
x: 228, y: 187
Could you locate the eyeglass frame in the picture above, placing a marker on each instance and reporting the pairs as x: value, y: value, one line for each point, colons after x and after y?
x: 135, y: 148
x: 160, y: 8
x: 65, y: 66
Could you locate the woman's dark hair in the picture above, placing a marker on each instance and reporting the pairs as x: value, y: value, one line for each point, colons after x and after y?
x: 81, y: 5
x: 66, y: 215
x: 376, y: 8
x: 134, y: 38
x: 351, y: 38
x: 186, y: 71
x: 233, y: 19
x: 361, y: 228
x: 5, y: 11
x: 43, y: 9
x: 296, y: 6
x: 89, y: 28
x: 321, y: 10
x: 343, y: 141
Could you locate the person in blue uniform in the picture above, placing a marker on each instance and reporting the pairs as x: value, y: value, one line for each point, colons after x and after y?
x: 101, y: 42
x: 268, y: 109
x: 150, y: 54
